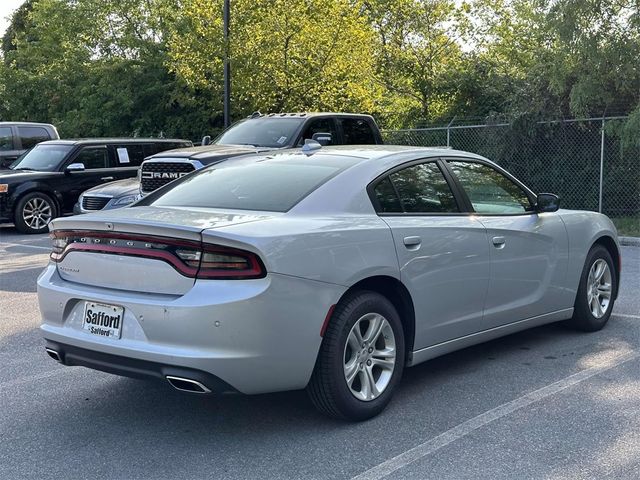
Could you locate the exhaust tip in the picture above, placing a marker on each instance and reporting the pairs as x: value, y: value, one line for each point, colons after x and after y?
x: 187, y: 385
x: 53, y: 354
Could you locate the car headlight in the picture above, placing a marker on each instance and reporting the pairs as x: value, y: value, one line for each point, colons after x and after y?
x: 4, y: 188
x: 126, y: 200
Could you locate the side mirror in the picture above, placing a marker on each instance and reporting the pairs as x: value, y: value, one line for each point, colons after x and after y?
x: 547, y: 202
x: 322, y: 138
x: 75, y: 167
x: 206, y: 140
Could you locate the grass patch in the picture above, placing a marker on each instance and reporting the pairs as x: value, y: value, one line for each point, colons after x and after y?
x: 627, y: 226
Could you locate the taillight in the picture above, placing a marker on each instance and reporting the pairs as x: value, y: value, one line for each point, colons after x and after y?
x: 189, y: 258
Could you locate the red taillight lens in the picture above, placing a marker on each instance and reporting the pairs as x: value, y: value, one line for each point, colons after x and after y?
x: 189, y: 258
x: 223, y: 262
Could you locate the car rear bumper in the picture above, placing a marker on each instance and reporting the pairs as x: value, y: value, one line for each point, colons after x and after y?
x: 256, y: 336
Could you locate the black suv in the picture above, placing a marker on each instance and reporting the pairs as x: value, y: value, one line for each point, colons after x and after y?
x: 47, y: 180
x: 18, y: 137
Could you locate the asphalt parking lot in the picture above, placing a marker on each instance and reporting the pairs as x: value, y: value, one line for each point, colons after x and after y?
x: 546, y: 403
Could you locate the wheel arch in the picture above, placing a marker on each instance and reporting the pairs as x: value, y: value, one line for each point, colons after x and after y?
x: 37, y: 188
x: 612, y: 247
x: 393, y: 290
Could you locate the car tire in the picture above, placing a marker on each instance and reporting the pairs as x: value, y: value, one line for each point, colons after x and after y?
x: 596, y: 292
x: 33, y: 212
x: 379, y: 361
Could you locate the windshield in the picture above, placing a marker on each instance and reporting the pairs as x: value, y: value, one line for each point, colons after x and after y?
x: 270, y: 184
x: 42, y: 158
x: 273, y: 132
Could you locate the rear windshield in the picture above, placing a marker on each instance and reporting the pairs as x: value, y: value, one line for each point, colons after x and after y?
x: 261, y: 132
x: 269, y: 185
x: 42, y: 158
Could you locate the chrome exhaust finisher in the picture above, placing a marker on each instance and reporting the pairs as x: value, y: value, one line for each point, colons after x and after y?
x: 53, y: 354
x: 187, y: 385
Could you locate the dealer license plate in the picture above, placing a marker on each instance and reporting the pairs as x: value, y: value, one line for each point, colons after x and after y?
x: 103, y: 320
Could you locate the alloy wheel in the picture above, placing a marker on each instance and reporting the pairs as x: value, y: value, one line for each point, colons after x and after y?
x: 599, y: 288
x: 369, y: 357
x: 37, y: 213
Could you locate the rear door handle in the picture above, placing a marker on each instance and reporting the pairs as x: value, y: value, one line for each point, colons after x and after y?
x: 106, y: 179
x: 498, y: 242
x: 412, y: 242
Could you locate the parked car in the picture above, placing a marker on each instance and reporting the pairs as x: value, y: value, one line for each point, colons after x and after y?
x: 330, y: 271
x: 18, y: 137
x: 46, y: 181
x: 255, y: 134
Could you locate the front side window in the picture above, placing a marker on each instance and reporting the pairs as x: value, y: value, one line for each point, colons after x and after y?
x: 490, y: 191
x: 6, y: 138
x: 357, y: 131
x: 93, y: 157
x: 321, y: 125
x: 419, y: 189
x: 31, y: 136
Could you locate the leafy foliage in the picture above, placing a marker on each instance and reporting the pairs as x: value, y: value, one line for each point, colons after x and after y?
x: 152, y: 67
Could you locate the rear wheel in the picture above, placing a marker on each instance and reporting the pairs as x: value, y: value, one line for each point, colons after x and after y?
x: 33, y: 213
x: 361, y: 358
x: 596, y: 292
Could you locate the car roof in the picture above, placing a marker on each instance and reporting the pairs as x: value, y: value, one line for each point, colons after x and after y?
x: 375, y: 152
x: 83, y: 141
x: 28, y: 124
x: 306, y: 115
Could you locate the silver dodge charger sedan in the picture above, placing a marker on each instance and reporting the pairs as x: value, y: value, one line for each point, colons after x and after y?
x: 330, y: 269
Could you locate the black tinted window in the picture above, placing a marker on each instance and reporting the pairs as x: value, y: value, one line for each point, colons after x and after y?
x: 93, y: 157
x: 31, y: 136
x: 387, y: 197
x: 423, y: 189
x: 489, y: 191
x: 6, y: 138
x: 129, y: 155
x: 356, y: 132
x: 273, y: 184
x: 320, y: 125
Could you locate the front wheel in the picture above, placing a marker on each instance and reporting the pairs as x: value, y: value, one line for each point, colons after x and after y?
x: 596, y: 292
x: 361, y: 358
x: 33, y: 213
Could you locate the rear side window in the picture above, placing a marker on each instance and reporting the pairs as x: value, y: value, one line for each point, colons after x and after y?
x: 6, y: 138
x: 356, y: 131
x: 93, y: 157
x: 130, y: 155
x: 31, y: 136
x: 269, y: 184
x: 418, y: 189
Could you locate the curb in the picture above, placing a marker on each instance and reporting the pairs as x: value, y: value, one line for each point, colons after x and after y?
x: 630, y: 241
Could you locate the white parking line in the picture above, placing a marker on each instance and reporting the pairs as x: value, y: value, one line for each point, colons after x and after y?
x: 626, y: 315
x: 416, y: 453
x: 3, y: 245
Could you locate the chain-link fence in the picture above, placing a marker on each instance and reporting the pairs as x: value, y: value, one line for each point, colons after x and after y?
x: 584, y: 161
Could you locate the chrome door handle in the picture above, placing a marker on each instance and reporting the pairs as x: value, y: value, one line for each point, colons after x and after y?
x: 412, y: 242
x: 106, y: 179
x: 498, y: 242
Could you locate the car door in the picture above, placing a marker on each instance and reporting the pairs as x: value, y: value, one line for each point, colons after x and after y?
x: 443, y: 252
x: 97, y: 169
x: 529, y: 250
